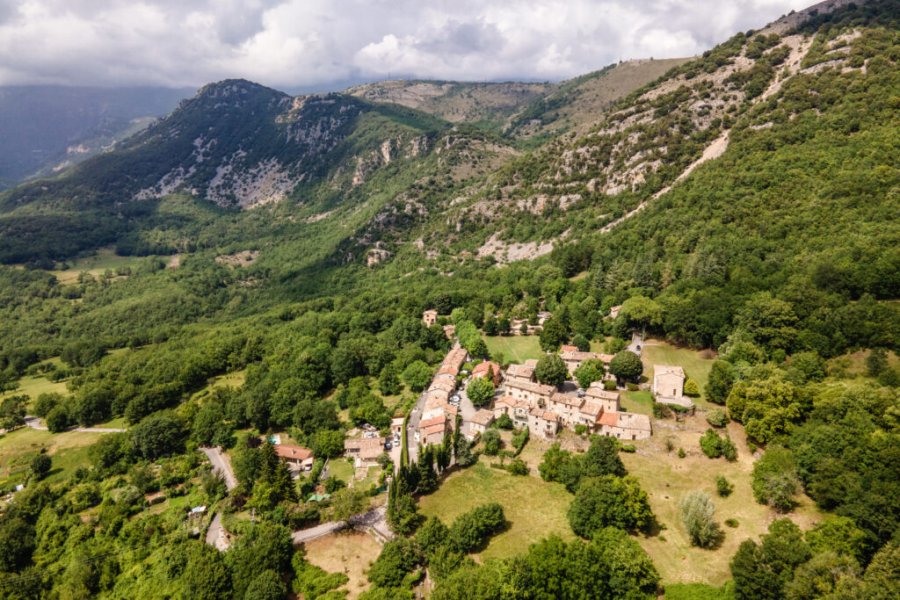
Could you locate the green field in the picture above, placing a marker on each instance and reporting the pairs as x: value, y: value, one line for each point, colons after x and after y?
x: 657, y: 352
x: 514, y: 348
x: 638, y: 402
x: 35, y: 386
x: 534, y: 508
x: 340, y: 468
x: 105, y: 259
x: 68, y: 451
x: 667, y: 478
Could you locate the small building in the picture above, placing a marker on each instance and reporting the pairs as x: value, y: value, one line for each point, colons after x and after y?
x: 397, y: 427
x: 481, y: 420
x: 517, y: 410
x: 488, y: 369
x: 574, y: 358
x: 608, y: 399
x: 449, y: 330
x: 566, y: 406
x: 295, y: 456
x: 543, y: 423
x: 625, y: 426
x: 668, y: 385
x: 614, y: 311
x: 523, y: 372
x: 429, y: 317
x: 365, y: 451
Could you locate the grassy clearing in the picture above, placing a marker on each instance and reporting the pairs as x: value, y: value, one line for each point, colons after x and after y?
x: 347, y: 552
x: 68, y: 451
x: 35, y: 386
x: 105, y: 259
x: 638, y: 402
x: 534, y: 508
x: 657, y: 352
x: 667, y: 478
x: 341, y: 468
x: 514, y: 348
x: 853, y: 364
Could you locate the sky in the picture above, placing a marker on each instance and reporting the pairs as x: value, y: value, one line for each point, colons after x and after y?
x: 327, y: 44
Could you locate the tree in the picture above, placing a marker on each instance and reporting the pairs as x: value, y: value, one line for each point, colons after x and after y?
x: 432, y: 535
x: 876, y: 362
x: 609, y: 501
x: 553, y: 335
x: 581, y: 342
x: 388, y: 381
x: 480, y: 391
x: 12, y: 411
x: 821, y: 576
x: 328, y: 443
x: 837, y: 534
x: 697, y: 514
x: 551, y: 370
x: 471, y: 531
x: 417, y: 375
x: 602, y: 458
x: 59, y: 419
x: 265, y: 546
x: 588, y: 372
x: 775, y: 480
x: 347, y: 502
x: 626, y: 366
x: 504, y: 422
x: 492, y: 442
x: 16, y: 543
x: 206, y: 576
x: 266, y: 586
x: 723, y: 486
x: 398, y: 558
x: 721, y: 378
x: 158, y: 435
x: 640, y: 311
x: 761, y: 571
x: 691, y: 388
x: 47, y: 402
x: 715, y: 446
x: 40, y: 466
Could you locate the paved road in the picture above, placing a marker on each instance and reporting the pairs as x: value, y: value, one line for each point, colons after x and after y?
x: 375, y: 518
x: 216, y: 535
x: 637, y: 343
x: 36, y: 423
x: 221, y: 465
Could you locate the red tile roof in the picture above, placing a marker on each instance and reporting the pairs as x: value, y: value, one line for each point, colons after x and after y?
x: 298, y: 452
x: 610, y: 419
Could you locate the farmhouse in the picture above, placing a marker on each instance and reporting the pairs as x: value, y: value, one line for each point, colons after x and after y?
x: 296, y: 456
x: 488, y: 369
x: 481, y: 420
x: 573, y: 357
x: 429, y: 317
x: 668, y: 385
x: 365, y: 451
x: 523, y: 372
x: 543, y: 423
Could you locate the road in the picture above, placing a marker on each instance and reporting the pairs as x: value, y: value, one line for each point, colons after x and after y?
x: 637, y: 343
x: 36, y: 423
x: 216, y: 535
x: 221, y: 465
x: 375, y: 518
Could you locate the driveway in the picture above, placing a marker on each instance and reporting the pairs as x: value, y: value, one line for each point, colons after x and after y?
x: 637, y: 343
x: 375, y: 518
x: 221, y: 465
x: 216, y: 535
x: 466, y: 409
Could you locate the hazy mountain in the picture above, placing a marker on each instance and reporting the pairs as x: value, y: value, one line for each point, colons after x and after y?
x: 46, y: 128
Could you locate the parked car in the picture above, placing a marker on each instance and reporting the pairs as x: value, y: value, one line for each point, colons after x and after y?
x: 388, y: 445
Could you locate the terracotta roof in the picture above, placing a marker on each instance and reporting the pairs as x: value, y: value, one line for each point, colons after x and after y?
x: 605, y: 358
x: 432, y: 429
x: 286, y: 451
x: 432, y: 421
x: 520, y: 371
x: 568, y: 348
x: 483, y: 417
x: 537, y: 388
x: 577, y: 355
x: 567, y: 399
x: 484, y: 368
x: 596, y: 390
x: 592, y: 409
x: 609, y: 419
x: 544, y: 414
x: 368, y: 448
x: 634, y: 421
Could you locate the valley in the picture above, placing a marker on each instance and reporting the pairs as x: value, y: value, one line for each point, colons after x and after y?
x: 630, y: 334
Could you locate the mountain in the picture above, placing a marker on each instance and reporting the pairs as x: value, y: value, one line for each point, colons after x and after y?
x: 44, y: 129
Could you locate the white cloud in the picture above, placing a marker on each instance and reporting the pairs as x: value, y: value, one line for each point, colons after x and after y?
x: 305, y: 43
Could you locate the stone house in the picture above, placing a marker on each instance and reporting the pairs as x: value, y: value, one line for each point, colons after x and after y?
x: 668, y: 385
x: 488, y: 369
x: 516, y: 409
x: 364, y: 451
x: 625, y: 426
x: 573, y: 357
x: 295, y: 456
x: 543, y: 423
x: 481, y: 420
x: 429, y: 317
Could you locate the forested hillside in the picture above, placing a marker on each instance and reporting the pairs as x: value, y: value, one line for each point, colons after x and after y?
x: 257, y: 264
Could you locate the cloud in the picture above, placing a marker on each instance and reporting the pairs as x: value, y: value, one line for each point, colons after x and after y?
x: 316, y: 43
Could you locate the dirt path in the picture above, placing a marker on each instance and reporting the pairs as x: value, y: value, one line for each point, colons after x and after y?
x: 38, y: 424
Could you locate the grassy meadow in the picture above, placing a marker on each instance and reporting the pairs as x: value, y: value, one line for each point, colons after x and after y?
x: 514, y: 348
x: 67, y: 450
x: 694, y: 363
x: 533, y: 507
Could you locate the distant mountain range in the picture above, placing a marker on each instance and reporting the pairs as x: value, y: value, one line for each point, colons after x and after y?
x: 44, y: 129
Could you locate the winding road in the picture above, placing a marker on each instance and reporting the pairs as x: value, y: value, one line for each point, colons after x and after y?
x: 38, y: 424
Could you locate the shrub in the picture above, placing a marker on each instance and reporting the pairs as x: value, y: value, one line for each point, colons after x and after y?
x: 732, y: 522
x: 519, y: 439
x: 662, y: 411
x: 774, y: 480
x: 717, y: 418
x: 504, y: 422
x: 517, y: 467
x: 471, y: 531
x: 630, y: 448
x: 609, y: 501
x: 681, y: 453
x: 697, y: 514
x: 691, y: 388
x: 715, y: 446
x: 492, y: 442
x: 40, y: 466
x: 723, y: 486
x: 609, y: 385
